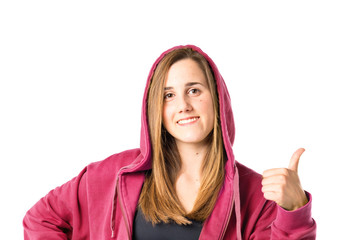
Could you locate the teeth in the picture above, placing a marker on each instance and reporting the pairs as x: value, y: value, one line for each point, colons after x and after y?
x: 187, y: 120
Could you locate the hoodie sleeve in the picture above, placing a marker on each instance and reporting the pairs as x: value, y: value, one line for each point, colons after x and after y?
x: 277, y: 223
x: 296, y: 224
x: 262, y: 219
x: 60, y: 214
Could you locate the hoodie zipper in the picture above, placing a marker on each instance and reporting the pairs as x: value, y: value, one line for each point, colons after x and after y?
x: 121, y: 206
x: 227, y: 221
x: 124, y: 215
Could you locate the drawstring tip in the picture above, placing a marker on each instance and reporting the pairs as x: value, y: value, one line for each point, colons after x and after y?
x: 112, y: 233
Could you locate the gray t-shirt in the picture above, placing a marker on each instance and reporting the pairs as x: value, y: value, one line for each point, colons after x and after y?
x: 143, y: 230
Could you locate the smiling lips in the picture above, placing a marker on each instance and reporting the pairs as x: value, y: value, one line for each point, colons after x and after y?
x: 187, y: 120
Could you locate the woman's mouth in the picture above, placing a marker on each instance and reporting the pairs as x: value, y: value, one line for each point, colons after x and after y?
x: 187, y: 120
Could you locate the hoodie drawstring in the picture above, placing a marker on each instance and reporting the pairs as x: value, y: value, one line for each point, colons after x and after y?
x: 114, y: 207
x: 237, y: 202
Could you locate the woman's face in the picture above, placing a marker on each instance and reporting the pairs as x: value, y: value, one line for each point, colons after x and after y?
x: 188, y: 113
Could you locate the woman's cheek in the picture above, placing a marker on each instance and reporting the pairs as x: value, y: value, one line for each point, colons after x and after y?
x: 166, y: 115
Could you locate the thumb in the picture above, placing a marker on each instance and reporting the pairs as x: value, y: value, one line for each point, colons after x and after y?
x: 294, y: 161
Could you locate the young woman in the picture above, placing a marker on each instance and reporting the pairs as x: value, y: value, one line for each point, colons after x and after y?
x: 183, y: 182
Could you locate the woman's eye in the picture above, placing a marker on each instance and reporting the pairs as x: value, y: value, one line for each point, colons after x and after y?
x: 193, y: 91
x: 168, y: 95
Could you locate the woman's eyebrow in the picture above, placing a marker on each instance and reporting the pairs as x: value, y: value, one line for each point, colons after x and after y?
x: 192, y: 83
x: 189, y: 84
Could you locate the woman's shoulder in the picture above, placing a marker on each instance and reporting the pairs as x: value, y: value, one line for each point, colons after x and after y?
x: 248, y: 174
x: 250, y: 183
x: 251, y: 196
x: 115, y: 162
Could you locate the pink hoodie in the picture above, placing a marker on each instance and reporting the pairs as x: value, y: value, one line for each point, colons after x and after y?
x: 100, y: 203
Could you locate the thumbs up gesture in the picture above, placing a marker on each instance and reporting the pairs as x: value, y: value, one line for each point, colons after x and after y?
x: 282, y: 185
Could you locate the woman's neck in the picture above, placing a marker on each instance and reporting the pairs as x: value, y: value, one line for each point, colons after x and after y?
x: 188, y: 180
x: 192, y: 157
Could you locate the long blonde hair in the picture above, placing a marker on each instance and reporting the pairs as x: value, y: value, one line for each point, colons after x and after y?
x: 158, y: 200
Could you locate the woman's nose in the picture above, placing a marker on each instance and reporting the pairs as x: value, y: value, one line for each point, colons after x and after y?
x: 184, y: 104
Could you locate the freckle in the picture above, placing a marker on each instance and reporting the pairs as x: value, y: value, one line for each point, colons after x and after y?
x: 196, y: 153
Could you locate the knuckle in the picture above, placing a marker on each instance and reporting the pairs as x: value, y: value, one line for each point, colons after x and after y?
x: 285, y: 171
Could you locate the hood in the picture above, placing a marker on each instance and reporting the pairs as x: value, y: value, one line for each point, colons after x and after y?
x: 216, y: 224
x: 226, y: 116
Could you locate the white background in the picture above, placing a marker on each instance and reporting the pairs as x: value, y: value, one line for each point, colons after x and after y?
x: 73, y: 73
